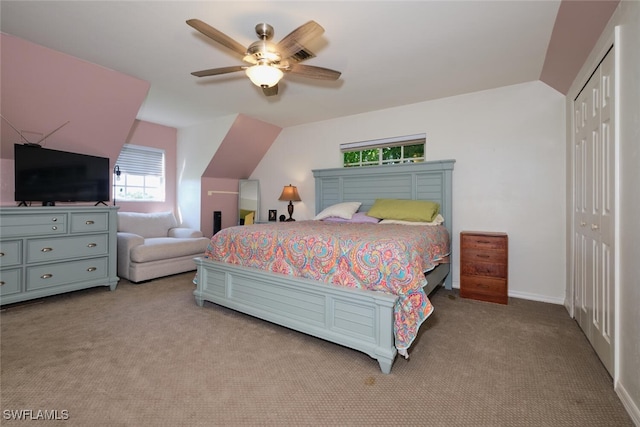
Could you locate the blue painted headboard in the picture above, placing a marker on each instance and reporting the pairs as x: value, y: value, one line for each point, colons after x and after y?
x: 417, y: 181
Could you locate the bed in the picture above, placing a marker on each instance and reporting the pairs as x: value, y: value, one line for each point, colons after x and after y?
x: 359, y: 318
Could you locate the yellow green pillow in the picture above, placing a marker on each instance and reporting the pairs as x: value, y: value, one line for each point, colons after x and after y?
x: 405, y: 210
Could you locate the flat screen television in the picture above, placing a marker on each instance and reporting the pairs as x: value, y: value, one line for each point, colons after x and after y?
x: 49, y: 176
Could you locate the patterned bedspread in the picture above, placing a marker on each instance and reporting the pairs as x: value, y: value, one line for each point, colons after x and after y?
x: 389, y: 258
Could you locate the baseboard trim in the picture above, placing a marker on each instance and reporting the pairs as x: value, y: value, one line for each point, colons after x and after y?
x: 536, y: 297
x: 628, y: 403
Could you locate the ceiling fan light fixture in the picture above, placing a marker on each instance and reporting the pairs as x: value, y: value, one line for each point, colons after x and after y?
x: 263, y: 75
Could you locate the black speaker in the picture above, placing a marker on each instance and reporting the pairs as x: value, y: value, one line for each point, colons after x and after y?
x: 217, y: 221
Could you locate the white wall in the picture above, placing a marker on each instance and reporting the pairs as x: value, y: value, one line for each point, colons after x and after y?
x: 509, y: 147
x: 196, y: 147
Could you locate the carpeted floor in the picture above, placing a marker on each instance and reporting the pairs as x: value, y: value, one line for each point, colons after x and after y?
x: 147, y: 355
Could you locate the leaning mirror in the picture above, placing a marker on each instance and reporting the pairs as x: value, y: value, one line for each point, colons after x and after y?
x: 248, y: 201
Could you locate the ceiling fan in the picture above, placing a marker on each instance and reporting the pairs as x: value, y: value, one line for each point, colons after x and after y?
x: 269, y: 61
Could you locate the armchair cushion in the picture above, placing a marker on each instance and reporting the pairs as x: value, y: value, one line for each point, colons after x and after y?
x: 147, y: 224
x: 157, y: 248
x: 182, y: 232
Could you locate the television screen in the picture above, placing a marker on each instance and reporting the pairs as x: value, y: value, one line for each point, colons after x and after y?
x: 49, y: 176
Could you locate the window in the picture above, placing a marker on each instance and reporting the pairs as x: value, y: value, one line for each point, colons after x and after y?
x: 403, y: 149
x: 141, y: 176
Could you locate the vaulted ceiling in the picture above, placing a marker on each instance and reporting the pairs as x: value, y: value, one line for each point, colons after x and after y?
x: 390, y: 53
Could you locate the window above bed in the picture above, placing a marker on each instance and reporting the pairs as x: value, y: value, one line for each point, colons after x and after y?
x: 401, y: 149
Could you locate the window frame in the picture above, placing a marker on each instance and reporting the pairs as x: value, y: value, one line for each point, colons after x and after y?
x: 376, y: 149
x: 136, y: 169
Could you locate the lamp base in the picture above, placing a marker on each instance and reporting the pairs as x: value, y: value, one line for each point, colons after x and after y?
x: 290, y: 209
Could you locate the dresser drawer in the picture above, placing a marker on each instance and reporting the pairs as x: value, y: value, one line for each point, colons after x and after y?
x: 89, y: 222
x: 477, y: 255
x: 484, y: 269
x: 10, y: 281
x: 10, y: 253
x: 39, y: 250
x: 43, y: 276
x: 33, y: 225
x: 483, y: 242
x: 484, y: 288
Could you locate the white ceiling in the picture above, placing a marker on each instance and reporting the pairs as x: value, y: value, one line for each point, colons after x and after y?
x: 390, y: 53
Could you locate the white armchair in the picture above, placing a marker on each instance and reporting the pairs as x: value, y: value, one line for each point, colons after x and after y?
x: 152, y: 245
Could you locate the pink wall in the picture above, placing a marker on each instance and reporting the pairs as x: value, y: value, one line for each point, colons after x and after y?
x: 42, y: 89
x: 163, y: 137
x: 242, y: 149
x: 218, y: 194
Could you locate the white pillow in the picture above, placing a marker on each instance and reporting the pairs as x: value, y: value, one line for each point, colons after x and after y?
x: 342, y: 210
x: 437, y: 221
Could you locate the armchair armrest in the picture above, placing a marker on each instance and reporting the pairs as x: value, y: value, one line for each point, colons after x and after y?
x: 182, y: 232
x: 126, y: 242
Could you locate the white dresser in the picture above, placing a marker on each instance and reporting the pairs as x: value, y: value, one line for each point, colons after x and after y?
x: 52, y: 250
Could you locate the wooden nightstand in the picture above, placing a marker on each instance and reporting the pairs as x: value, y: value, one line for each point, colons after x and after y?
x: 484, y: 266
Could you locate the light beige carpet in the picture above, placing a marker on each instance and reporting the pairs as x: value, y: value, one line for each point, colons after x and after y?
x: 147, y: 355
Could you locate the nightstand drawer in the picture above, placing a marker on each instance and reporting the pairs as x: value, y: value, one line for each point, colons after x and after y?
x: 484, y: 288
x: 484, y: 269
x: 483, y: 242
x: 476, y: 255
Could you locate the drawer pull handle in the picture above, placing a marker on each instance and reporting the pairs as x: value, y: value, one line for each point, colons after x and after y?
x: 46, y: 249
x: 54, y: 219
x: 46, y: 276
x: 90, y: 269
x: 594, y: 226
x: 486, y: 242
x: 54, y: 228
x: 1, y: 283
x: 483, y: 256
x: 1, y: 254
x: 89, y: 222
x: 91, y: 245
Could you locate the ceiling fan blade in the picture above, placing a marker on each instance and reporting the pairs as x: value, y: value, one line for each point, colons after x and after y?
x: 270, y: 91
x: 295, y: 40
x: 217, y: 36
x: 216, y: 71
x: 314, y: 72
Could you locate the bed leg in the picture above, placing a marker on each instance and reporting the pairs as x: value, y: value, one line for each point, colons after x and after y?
x: 199, y: 301
x: 385, y: 365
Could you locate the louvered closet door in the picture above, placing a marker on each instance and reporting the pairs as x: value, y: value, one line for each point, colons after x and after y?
x: 594, y: 235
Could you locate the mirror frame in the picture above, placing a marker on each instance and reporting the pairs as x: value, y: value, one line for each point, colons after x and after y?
x: 257, y: 193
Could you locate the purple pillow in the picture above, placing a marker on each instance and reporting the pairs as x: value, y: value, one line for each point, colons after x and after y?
x: 358, y: 217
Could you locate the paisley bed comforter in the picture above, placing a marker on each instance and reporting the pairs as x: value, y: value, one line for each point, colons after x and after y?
x: 389, y: 258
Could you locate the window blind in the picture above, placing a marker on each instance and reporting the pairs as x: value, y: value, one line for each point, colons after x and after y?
x: 139, y: 160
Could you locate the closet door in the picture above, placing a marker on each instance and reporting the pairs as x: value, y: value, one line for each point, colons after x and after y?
x: 594, y: 234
